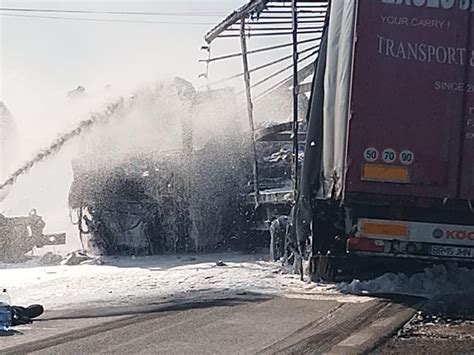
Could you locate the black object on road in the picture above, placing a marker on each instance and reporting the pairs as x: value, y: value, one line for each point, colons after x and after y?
x: 24, y: 315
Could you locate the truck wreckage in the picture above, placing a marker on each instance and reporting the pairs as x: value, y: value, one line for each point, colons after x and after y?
x: 230, y: 192
x: 19, y: 235
x: 172, y: 200
x: 184, y: 199
x: 360, y: 196
x: 223, y: 193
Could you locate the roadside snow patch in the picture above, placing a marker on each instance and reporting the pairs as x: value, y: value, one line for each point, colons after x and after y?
x: 434, y: 281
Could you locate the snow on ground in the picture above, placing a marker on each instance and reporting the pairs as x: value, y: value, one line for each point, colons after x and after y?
x: 130, y: 280
x: 434, y: 281
x: 126, y: 280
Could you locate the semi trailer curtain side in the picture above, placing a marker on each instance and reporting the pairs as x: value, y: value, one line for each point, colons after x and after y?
x: 390, y: 171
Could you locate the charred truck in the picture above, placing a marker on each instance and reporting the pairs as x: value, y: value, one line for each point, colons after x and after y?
x: 20, y: 235
x: 388, y: 172
x: 163, y: 178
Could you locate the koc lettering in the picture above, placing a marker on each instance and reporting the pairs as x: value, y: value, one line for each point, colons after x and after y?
x: 460, y: 235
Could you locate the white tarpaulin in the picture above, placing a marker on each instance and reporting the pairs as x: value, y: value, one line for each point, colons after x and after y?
x: 337, y: 95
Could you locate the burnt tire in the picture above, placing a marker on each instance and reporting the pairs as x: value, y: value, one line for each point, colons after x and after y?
x: 278, y: 231
x: 324, y: 268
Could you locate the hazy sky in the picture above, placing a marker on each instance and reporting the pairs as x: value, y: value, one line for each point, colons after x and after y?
x: 56, y: 54
x: 41, y: 59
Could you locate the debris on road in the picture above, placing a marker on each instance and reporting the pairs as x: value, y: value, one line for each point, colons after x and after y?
x: 80, y: 258
x: 50, y: 259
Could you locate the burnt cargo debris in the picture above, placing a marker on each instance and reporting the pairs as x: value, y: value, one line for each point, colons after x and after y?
x: 174, y: 199
x: 19, y: 235
x: 158, y: 204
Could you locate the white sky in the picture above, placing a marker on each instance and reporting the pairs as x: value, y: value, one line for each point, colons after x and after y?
x: 59, y: 54
x: 42, y: 59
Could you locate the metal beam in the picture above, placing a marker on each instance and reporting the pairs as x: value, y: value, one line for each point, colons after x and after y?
x: 236, y: 16
x: 286, y: 82
x: 315, y: 48
x: 264, y: 80
x: 259, y: 50
x: 252, y: 30
x: 243, y: 45
x: 275, y: 34
x: 265, y: 7
x: 294, y: 11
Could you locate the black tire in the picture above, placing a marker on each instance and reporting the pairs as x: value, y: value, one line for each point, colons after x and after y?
x: 278, y: 230
x: 324, y: 268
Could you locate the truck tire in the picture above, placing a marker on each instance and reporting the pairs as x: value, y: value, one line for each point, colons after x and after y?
x: 278, y: 230
x: 324, y: 268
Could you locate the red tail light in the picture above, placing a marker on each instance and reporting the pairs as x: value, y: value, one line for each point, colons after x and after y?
x: 364, y: 244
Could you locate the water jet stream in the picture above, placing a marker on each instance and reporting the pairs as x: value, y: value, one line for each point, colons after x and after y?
x: 59, y: 142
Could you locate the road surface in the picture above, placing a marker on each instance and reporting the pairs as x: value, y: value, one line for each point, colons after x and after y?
x: 247, y: 324
x: 445, y: 326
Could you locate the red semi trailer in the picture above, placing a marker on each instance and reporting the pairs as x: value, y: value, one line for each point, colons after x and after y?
x: 389, y: 163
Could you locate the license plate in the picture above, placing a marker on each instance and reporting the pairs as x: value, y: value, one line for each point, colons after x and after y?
x: 455, y: 252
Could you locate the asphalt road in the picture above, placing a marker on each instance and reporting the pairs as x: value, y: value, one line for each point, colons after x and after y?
x: 234, y: 326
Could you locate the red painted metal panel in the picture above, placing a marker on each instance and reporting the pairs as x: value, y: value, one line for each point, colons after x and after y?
x: 409, y: 98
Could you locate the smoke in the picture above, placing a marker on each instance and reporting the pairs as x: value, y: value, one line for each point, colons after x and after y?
x: 160, y: 115
x: 152, y: 124
x: 57, y: 144
x: 145, y: 146
x: 145, y: 125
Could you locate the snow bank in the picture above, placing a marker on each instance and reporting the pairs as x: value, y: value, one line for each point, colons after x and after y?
x: 434, y: 281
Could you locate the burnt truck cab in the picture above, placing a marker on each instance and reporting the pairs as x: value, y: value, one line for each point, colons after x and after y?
x: 177, y: 192
x: 391, y: 173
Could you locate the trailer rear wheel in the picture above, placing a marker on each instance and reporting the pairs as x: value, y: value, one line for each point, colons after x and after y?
x: 324, y: 268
